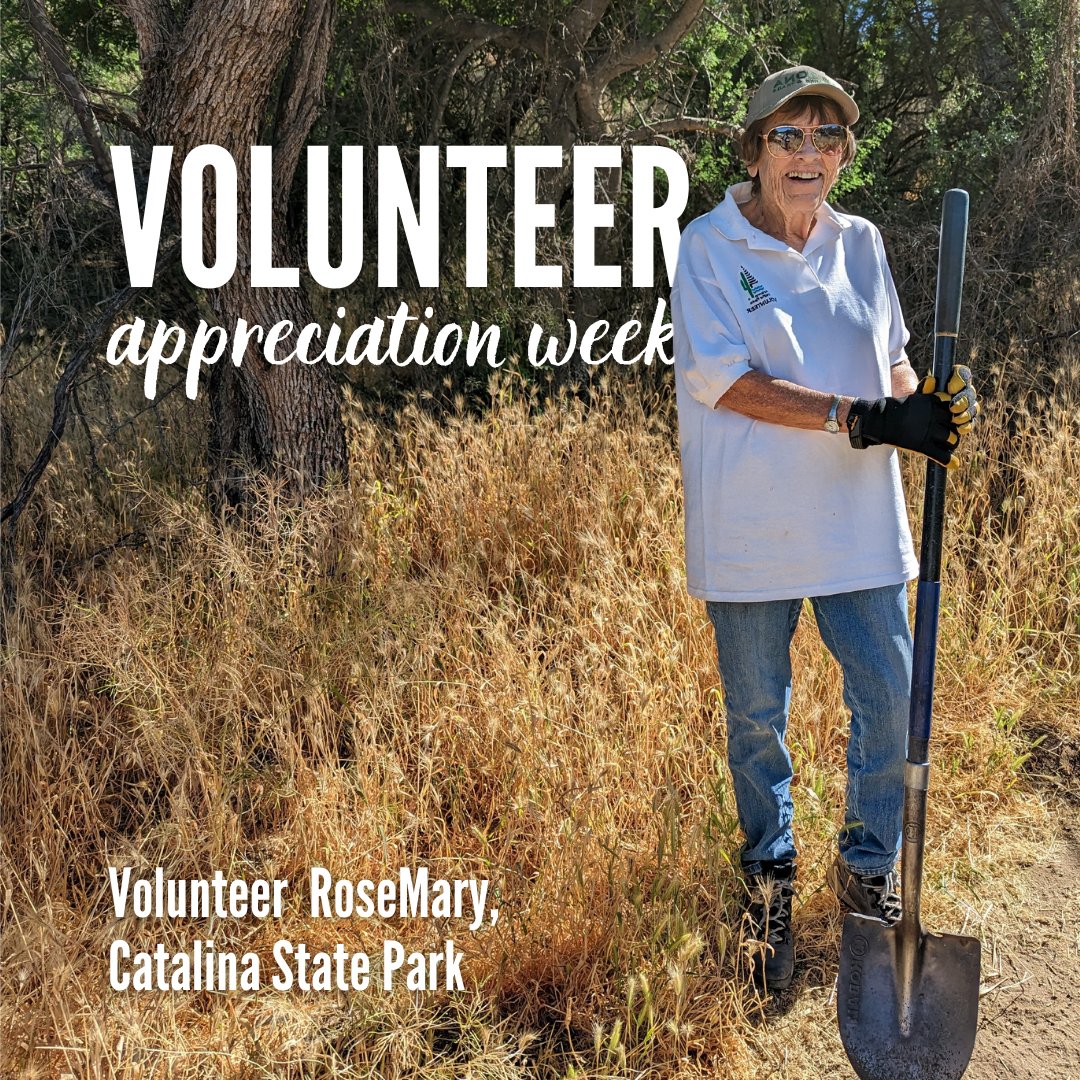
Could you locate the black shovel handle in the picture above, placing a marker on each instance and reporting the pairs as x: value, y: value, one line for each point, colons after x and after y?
x: 950, y: 286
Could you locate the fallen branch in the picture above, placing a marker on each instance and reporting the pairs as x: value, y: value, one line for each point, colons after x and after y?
x: 84, y: 352
x: 61, y: 402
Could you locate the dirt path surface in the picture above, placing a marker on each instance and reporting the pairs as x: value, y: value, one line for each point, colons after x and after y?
x: 1028, y: 1026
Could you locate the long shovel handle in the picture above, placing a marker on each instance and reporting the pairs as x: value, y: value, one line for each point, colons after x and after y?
x: 950, y: 284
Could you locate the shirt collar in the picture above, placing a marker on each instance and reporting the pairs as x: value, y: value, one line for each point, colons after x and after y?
x: 728, y: 220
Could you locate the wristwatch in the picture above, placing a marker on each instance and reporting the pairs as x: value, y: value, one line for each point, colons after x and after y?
x: 831, y: 424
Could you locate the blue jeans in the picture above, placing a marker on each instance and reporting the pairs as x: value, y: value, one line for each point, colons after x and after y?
x: 867, y: 632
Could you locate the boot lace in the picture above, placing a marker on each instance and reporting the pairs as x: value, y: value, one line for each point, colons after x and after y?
x: 770, y: 911
x: 881, y: 891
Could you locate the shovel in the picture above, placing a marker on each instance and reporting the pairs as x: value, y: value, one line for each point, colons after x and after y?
x: 908, y: 1000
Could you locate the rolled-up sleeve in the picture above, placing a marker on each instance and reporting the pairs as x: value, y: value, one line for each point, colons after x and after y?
x: 709, y: 346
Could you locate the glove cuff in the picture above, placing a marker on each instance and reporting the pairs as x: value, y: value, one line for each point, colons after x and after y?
x: 860, y: 408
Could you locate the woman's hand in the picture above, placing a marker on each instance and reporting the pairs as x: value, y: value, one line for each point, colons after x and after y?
x: 927, y: 422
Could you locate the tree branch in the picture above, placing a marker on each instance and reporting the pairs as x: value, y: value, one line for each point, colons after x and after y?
x: 646, y: 50
x: 84, y: 352
x: 303, y: 87
x: 61, y: 401
x: 448, y: 81
x: 582, y: 20
x: 678, y: 124
x: 466, y: 28
x: 108, y: 115
x: 52, y: 48
x: 152, y: 20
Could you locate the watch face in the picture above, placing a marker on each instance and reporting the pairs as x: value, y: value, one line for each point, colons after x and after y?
x: 832, y: 425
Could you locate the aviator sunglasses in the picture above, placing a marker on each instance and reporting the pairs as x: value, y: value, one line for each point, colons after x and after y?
x: 788, y: 139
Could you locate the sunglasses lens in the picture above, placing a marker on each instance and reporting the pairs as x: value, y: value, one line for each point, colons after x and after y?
x: 785, y: 140
x: 830, y: 138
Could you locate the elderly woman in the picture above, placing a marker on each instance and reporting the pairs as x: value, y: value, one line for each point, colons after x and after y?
x: 793, y: 390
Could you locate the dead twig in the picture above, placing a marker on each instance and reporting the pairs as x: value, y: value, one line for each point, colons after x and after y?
x: 62, y: 394
x: 9, y: 515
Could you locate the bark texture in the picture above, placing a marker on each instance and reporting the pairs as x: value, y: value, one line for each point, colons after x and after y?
x: 212, y: 78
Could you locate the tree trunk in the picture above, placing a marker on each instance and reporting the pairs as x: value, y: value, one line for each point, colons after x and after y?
x: 209, y: 79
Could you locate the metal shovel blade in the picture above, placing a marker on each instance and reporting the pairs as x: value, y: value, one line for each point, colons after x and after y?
x: 908, y: 1005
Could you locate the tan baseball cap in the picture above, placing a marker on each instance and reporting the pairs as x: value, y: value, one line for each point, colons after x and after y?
x: 783, y: 85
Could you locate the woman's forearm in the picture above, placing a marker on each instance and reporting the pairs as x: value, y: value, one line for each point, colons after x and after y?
x: 777, y: 401
x: 903, y: 380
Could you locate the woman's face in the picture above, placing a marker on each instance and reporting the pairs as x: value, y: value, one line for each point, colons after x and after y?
x: 796, y: 183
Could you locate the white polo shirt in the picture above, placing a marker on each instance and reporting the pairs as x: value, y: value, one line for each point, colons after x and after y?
x: 775, y: 512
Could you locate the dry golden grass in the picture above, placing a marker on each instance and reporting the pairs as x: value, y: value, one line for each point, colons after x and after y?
x: 479, y: 657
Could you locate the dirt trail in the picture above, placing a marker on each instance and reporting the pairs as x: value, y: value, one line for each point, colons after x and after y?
x: 1031, y: 984
x: 1027, y: 1023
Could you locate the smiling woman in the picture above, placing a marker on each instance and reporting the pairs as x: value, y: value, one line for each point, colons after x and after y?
x: 787, y: 329
x: 794, y: 155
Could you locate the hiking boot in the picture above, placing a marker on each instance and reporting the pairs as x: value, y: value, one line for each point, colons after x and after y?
x: 769, y: 919
x: 868, y: 894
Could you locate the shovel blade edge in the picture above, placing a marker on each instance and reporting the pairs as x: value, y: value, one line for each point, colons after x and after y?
x: 944, y: 1014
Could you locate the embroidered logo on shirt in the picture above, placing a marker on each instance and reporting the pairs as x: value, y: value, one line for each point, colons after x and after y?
x: 756, y: 293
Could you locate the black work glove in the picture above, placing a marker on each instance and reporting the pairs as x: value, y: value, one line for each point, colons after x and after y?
x: 922, y: 422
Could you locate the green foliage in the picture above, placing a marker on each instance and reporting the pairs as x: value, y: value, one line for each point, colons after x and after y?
x: 860, y: 173
x: 957, y: 82
x: 97, y: 32
x: 101, y: 49
x: 947, y: 92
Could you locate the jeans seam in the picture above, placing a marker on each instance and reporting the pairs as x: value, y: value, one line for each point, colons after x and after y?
x: 724, y: 612
x: 854, y: 809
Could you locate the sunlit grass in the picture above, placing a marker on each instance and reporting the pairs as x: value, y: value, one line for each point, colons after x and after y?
x: 480, y: 657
